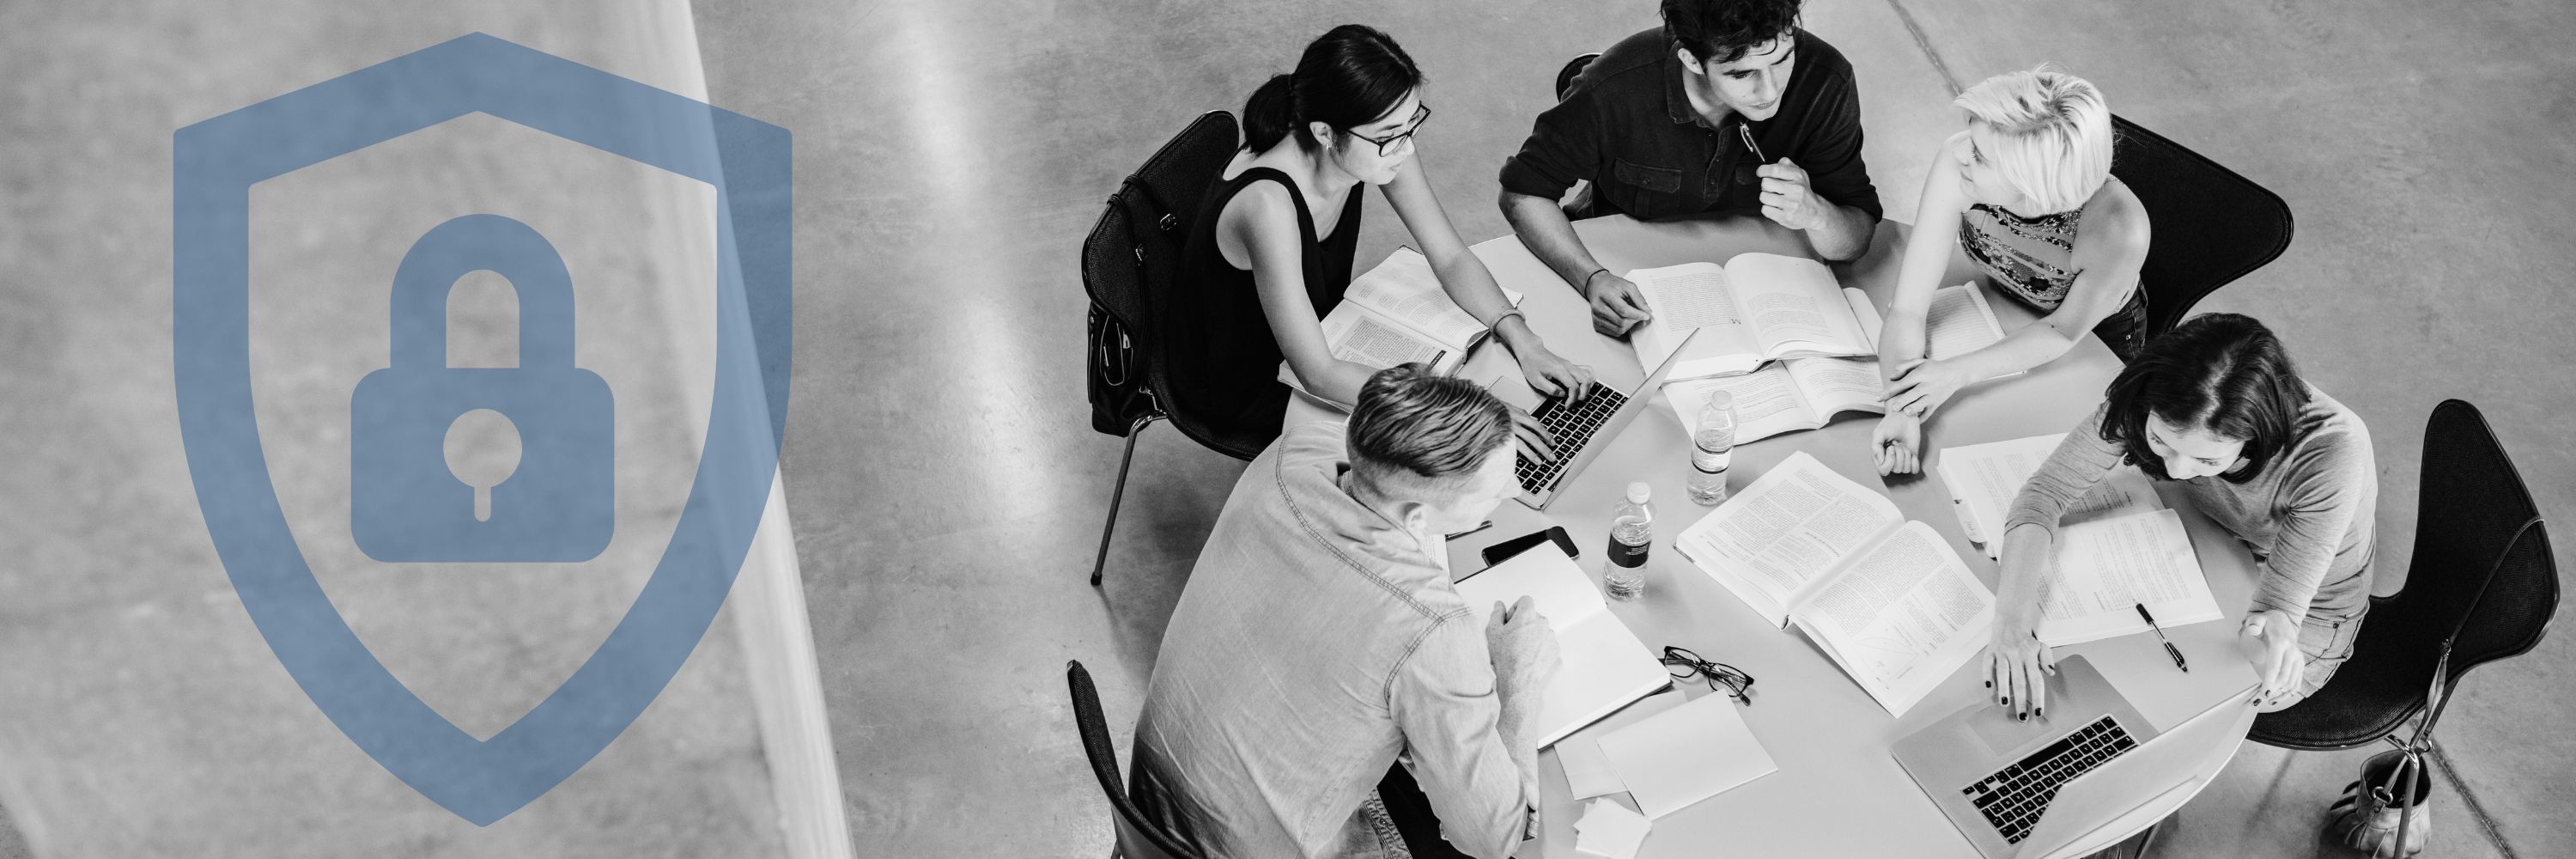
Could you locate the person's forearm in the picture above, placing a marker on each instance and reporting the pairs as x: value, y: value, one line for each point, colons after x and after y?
x: 1337, y: 381
x: 1519, y: 708
x: 1900, y: 339
x: 2028, y: 346
x: 1844, y: 235
x: 2027, y: 552
x: 1543, y: 229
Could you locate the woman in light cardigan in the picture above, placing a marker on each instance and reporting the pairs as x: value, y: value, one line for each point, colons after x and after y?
x: 2214, y: 410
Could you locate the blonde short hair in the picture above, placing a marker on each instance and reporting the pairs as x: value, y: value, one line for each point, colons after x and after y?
x: 2050, y: 134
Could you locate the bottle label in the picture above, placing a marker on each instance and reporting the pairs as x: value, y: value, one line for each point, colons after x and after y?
x: 1625, y: 553
x: 1710, y: 462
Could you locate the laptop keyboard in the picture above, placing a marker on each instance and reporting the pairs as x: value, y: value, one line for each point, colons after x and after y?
x: 2013, y: 798
x: 1572, y: 425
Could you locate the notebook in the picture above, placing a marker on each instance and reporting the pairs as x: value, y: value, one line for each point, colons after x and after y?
x: 1604, y: 666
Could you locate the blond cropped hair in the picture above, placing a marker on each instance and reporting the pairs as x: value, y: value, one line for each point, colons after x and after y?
x: 2049, y: 134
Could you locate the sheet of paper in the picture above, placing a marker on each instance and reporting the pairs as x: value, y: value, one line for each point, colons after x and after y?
x: 2106, y: 567
x: 1609, y: 830
x: 1984, y: 478
x: 1405, y: 287
x: 1786, y: 528
x: 1686, y: 754
x: 1587, y: 771
x: 1903, y: 616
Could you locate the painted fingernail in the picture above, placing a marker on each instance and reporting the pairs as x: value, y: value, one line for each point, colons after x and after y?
x: 2007, y: 701
x: 2022, y: 718
x: 1990, y: 684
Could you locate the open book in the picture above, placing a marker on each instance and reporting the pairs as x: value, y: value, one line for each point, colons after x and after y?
x: 2118, y: 547
x: 1806, y: 393
x: 1397, y: 313
x: 1883, y: 597
x: 1757, y: 308
x: 1605, y: 667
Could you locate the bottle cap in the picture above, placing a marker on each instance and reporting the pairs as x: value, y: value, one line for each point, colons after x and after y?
x: 1721, y: 399
x: 1639, y: 491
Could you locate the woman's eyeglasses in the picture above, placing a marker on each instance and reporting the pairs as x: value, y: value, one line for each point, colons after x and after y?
x: 1386, y: 147
x: 1683, y: 665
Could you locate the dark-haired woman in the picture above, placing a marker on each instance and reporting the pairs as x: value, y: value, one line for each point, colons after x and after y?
x: 2215, y: 410
x: 1273, y: 247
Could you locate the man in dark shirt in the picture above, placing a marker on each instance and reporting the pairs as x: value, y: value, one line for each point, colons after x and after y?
x: 1660, y: 125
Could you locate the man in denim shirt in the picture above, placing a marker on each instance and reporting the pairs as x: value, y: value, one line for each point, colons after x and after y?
x: 1660, y: 124
x: 1319, y: 637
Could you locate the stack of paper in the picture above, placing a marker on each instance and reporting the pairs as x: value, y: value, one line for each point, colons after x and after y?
x: 1609, y: 831
x: 1984, y: 478
x: 1686, y: 754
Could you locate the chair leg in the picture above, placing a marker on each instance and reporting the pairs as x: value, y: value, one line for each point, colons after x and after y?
x: 1118, y: 494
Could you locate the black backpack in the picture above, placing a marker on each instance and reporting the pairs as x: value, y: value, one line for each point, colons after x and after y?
x: 1129, y: 264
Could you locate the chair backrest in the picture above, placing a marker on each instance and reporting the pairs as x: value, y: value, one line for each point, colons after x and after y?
x: 1131, y: 258
x: 1137, y: 838
x: 2211, y: 225
x: 2482, y: 564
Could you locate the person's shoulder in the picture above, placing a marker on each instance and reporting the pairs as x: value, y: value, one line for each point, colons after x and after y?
x: 1261, y: 204
x: 2115, y: 213
x: 1816, y: 53
x: 1631, y: 66
x: 2332, y: 435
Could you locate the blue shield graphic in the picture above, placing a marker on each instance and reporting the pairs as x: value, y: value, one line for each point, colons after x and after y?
x: 748, y: 162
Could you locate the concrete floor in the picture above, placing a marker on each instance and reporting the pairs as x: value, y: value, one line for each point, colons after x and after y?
x: 951, y: 155
x: 948, y: 493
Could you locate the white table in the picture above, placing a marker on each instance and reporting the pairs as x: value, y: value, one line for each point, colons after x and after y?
x: 1837, y: 792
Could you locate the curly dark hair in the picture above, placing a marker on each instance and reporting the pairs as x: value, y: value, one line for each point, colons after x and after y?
x: 2221, y: 372
x: 1720, y: 31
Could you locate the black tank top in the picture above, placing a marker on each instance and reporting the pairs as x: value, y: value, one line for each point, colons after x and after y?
x: 1223, y: 357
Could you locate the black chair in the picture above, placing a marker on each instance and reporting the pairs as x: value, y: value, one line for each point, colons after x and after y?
x: 2211, y: 225
x: 1129, y: 265
x: 2481, y: 587
x: 1565, y: 76
x: 1138, y: 838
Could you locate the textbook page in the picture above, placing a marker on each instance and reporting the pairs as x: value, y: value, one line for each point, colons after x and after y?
x: 1604, y: 666
x: 1767, y: 402
x: 1365, y: 336
x: 1901, y: 616
x: 1791, y: 526
x: 1836, y: 385
x: 1687, y: 297
x: 1984, y: 478
x: 1405, y: 289
x: 2106, y: 567
x: 1795, y: 307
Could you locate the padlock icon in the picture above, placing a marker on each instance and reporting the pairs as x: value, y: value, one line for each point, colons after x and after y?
x: 559, y: 503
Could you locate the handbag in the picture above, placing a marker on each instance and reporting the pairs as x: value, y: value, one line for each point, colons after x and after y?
x: 2369, y: 816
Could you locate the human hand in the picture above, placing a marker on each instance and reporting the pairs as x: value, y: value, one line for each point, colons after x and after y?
x: 2270, y: 640
x: 1787, y: 198
x: 1617, y: 304
x: 1530, y: 437
x: 1922, y: 385
x: 2017, y: 665
x: 1524, y: 648
x: 1552, y: 376
x: 1898, y: 442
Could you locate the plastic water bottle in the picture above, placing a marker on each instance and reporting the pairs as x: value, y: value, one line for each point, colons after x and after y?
x: 1712, y: 446
x: 1632, y: 532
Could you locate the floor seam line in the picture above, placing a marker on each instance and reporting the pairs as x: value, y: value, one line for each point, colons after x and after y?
x: 2477, y: 810
x: 1924, y: 43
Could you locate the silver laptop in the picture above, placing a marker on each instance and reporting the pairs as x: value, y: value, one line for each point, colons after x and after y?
x: 2017, y: 788
x: 1581, y: 430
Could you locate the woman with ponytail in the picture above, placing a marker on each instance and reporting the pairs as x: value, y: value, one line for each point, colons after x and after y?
x: 1273, y: 246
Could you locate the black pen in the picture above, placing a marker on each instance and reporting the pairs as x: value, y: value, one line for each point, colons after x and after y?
x: 2160, y: 636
